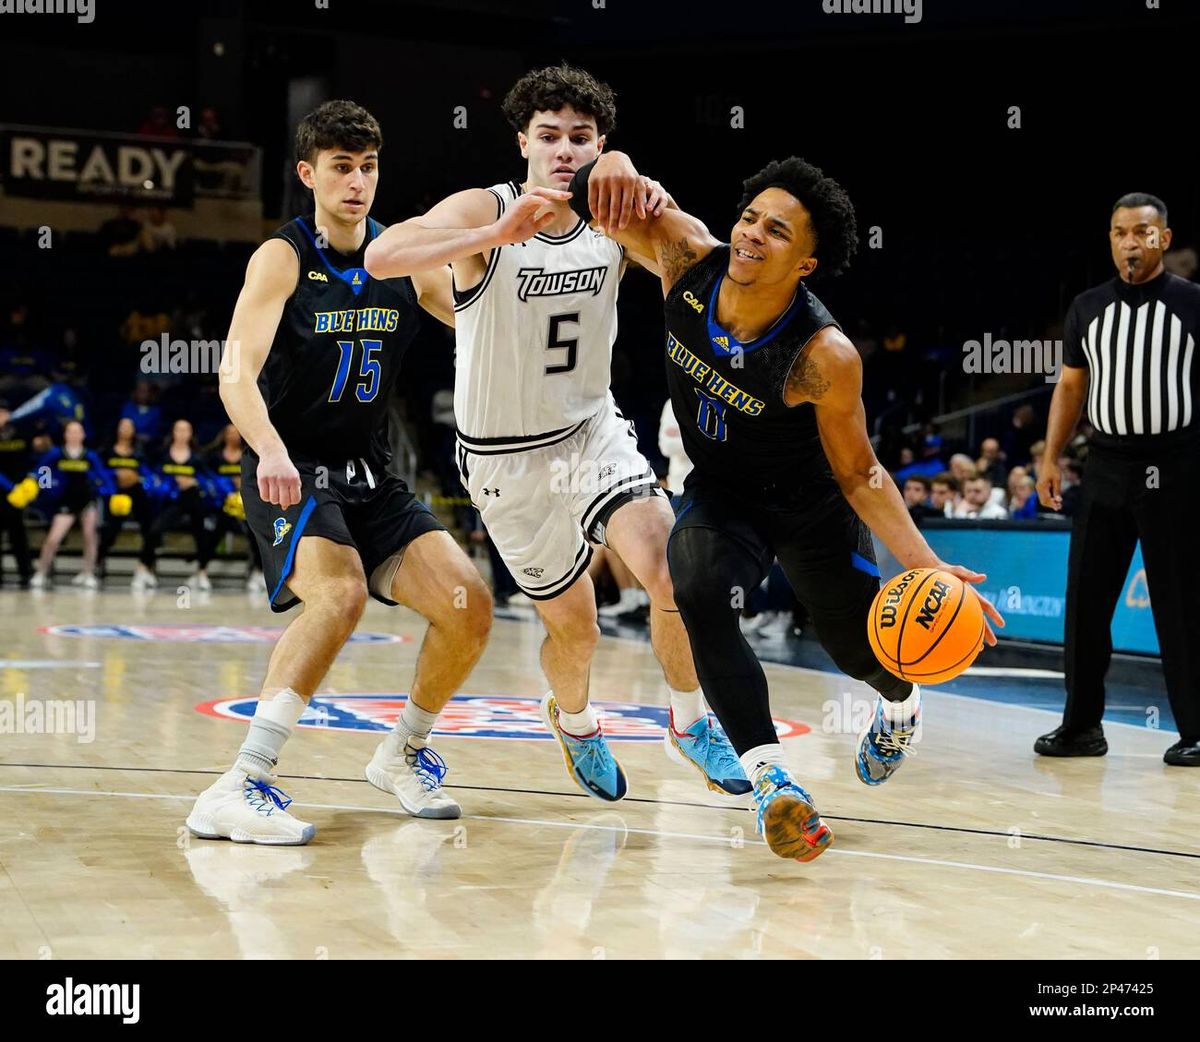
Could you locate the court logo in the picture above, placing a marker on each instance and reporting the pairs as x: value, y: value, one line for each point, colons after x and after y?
x: 470, y: 716
x: 202, y: 633
x: 282, y: 527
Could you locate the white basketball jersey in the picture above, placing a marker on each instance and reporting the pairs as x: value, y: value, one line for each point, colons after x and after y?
x: 535, y: 337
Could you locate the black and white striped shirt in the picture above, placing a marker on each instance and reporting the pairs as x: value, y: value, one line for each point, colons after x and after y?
x: 1138, y: 344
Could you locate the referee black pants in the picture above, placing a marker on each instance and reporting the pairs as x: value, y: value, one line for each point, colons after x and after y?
x: 1131, y: 492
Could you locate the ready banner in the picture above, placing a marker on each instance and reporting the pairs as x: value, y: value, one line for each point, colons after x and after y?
x: 81, y: 166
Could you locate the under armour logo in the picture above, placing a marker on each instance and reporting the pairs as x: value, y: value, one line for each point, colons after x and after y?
x: 535, y: 573
x: 492, y: 492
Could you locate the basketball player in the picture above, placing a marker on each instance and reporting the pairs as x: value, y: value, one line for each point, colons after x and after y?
x: 542, y: 448
x: 768, y: 393
x: 331, y: 522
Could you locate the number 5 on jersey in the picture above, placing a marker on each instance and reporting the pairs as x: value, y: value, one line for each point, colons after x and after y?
x: 557, y: 342
x: 364, y: 390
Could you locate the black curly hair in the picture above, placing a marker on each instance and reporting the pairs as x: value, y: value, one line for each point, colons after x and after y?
x: 337, y: 124
x: 828, y: 205
x: 556, y: 86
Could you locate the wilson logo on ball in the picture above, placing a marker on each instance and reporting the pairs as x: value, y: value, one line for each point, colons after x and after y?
x: 926, y: 626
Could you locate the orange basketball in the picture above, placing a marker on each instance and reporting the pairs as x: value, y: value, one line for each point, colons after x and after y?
x: 926, y: 626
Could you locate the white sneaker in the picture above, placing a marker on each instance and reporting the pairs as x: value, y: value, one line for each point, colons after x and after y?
x: 255, y: 581
x: 627, y: 602
x: 247, y: 809
x: 199, y: 581
x: 86, y: 580
x: 143, y: 578
x: 414, y: 776
x: 38, y: 581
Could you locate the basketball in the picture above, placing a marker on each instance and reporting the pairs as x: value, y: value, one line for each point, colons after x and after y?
x: 926, y: 626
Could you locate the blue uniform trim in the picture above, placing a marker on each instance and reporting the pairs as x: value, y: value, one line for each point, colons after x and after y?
x: 349, y: 275
x: 288, y: 561
x: 863, y: 565
x: 735, y: 345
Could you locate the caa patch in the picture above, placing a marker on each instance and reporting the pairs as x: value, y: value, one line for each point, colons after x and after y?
x: 470, y: 716
x: 204, y: 634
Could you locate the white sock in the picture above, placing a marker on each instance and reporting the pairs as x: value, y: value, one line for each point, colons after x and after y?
x: 414, y: 723
x: 903, y: 713
x: 579, y: 725
x: 271, y: 726
x: 756, y: 761
x: 687, y: 707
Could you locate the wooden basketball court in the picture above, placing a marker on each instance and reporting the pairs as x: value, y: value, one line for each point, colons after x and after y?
x: 978, y: 848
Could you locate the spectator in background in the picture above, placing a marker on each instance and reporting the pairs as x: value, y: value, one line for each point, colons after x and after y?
x: 991, y: 462
x: 158, y: 124
x: 977, y: 504
x: 15, y: 458
x: 159, y: 233
x: 944, y: 494
x: 917, y: 490
x: 930, y: 463
x: 209, y: 126
x: 1013, y: 483
x: 963, y: 468
x: 126, y: 460
x: 1019, y: 439
x: 1182, y: 262
x: 119, y: 236
x: 1072, y: 475
x: 1023, y: 504
x: 140, y: 326
x: 77, y: 475
x: 143, y: 413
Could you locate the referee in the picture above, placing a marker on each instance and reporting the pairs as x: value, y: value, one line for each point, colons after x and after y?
x: 1129, y: 352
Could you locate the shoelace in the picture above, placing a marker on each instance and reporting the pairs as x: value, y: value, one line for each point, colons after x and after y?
x: 895, y: 742
x: 429, y: 768
x: 720, y: 751
x: 595, y: 749
x: 267, y: 794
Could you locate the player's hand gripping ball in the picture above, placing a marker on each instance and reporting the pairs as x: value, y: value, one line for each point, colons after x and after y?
x: 120, y: 505
x: 926, y: 626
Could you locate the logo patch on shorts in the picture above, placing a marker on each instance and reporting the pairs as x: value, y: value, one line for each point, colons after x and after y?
x: 536, y: 573
x: 282, y: 527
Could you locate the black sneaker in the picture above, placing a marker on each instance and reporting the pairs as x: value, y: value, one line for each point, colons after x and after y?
x: 1184, y: 753
x: 1064, y: 742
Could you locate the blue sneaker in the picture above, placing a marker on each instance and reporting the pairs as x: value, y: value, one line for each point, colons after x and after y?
x: 704, y: 747
x: 593, y: 767
x: 788, y: 818
x: 883, y: 747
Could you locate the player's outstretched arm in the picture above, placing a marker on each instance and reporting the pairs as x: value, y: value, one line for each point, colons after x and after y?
x: 460, y: 228
x: 828, y: 373
x: 609, y: 194
x: 271, y: 278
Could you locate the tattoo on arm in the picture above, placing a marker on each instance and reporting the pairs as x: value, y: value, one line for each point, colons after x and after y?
x: 677, y: 257
x: 806, y: 382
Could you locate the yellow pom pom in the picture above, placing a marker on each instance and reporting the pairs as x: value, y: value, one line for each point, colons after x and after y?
x: 120, y: 505
x: 234, y: 506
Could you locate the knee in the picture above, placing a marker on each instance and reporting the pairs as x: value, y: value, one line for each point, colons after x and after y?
x: 469, y: 611
x: 580, y: 635
x: 343, y: 598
